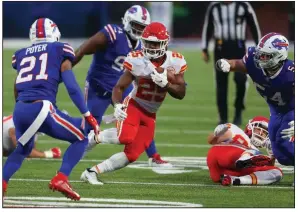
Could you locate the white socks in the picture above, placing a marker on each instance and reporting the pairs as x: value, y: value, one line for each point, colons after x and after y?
x: 108, y: 136
x: 115, y: 162
x: 260, y: 177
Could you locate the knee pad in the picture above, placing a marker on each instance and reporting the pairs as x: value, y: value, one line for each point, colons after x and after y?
x: 125, y: 139
x: 131, y: 156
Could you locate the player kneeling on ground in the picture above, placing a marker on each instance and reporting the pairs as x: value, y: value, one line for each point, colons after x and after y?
x: 10, y: 142
x: 155, y: 72
x: 235, y: 160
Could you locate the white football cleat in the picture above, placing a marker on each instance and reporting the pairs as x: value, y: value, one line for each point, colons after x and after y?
x: 156, y: 161
x: 90, y: 176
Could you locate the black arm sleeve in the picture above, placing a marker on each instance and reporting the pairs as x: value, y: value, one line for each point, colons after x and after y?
x: 207, y: 28
x: 252, y: 22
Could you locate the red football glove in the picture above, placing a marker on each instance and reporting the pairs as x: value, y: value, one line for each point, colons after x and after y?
x: 92, y: 121
x: 56, y: 152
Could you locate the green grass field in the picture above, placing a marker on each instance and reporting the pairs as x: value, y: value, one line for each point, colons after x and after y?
x: 182, y: 127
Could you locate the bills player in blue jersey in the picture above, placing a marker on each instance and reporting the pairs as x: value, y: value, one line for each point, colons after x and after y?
x: 41, y: 67
x: 110, y: 47
x: 273, y: 75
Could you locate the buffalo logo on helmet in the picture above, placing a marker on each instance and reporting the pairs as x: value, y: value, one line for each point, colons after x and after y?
x: 279, y: 44
x: 132, y: 10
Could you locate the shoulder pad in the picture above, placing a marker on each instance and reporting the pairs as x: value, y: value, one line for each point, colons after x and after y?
x: 137, y: 64
x: 67, y: 51
x: 178, y: 62
x: 249, y: 54
x: 112, y: 32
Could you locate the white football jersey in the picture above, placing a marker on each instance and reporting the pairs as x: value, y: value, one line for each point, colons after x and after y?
x: 146, y: 93
x: 7, y: 124
x: 239, y: 137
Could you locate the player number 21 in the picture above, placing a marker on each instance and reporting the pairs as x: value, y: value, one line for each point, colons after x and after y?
x: 32, y: 62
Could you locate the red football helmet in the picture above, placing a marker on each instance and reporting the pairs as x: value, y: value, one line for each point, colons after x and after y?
x: 155, y: 39
x: 257, y: 130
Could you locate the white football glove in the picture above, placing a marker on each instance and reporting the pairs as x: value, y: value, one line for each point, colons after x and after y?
x: 160, y: 79
x: 221, y: 129
x: 119, y: 113
x: 290, y: 132
x: 223, y: 65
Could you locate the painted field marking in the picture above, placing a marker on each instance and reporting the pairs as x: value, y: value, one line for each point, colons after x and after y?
x: 62, y: 201
x: 164, y: 184
x: 159, y: 144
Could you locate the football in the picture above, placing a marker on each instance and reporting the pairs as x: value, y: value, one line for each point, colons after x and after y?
x: 170, y: 74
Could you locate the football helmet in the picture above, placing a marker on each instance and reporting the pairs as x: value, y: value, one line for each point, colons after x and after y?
x: 155, y: 39
x: 257, y: 130
x: 44, y: 30
x: 135, y: 20
x: 271, y: 51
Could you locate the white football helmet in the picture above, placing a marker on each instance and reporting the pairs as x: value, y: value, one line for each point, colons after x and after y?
x: 271, y: 51
x: 44, y: 30
x: 135, y: 20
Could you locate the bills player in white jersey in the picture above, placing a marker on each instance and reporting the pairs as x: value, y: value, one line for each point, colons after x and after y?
x: 137, y: 113
x: 9, y: 142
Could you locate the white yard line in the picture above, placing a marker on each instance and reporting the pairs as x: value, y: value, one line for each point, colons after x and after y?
x: 164, y: 184
x: 158, y: 144
x: 93, y: 200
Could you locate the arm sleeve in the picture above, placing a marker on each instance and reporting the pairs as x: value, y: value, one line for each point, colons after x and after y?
x: 207, y: 28
x: 252, y: 22
x: 74, y: 90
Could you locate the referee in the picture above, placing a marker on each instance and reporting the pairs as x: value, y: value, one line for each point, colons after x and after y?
x: 227, y: 22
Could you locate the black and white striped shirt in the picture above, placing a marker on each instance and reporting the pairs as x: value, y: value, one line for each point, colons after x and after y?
x: 228, y: 22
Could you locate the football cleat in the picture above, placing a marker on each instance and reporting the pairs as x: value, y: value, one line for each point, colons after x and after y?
x: 90, y: 176
x: 60, y: 183
x: 156, y: 161
x: 56, y: 152
x: 4, y: 187
x: 256, y: 160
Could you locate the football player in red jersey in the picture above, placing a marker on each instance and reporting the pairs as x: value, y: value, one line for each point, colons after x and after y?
x: 234, y: 158
x: 137, y: 113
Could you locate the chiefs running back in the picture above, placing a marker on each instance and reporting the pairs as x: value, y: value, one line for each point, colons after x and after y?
x: 137, y: 113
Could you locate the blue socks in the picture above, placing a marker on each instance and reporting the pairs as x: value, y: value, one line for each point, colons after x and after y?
x: 16, y: 158
x: 151, y: 150
x: 73, y: 155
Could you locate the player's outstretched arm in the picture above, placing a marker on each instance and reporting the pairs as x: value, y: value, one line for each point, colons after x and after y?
x: 90, y: 46
x: 236, y: 65
x: 178, y: 89
x: 76, y: 94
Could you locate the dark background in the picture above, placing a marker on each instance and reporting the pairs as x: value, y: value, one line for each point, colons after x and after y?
x: 82, y: 19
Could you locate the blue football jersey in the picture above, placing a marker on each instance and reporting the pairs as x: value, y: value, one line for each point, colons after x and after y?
x: 38, y: 68
x: 107, y: 66
x: 277, y: 90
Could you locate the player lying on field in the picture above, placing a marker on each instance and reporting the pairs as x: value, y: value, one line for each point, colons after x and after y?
x: 10, y: 142
x: 234, y: 158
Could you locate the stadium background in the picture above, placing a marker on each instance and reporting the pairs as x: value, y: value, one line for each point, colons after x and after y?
x: 182, y: 126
